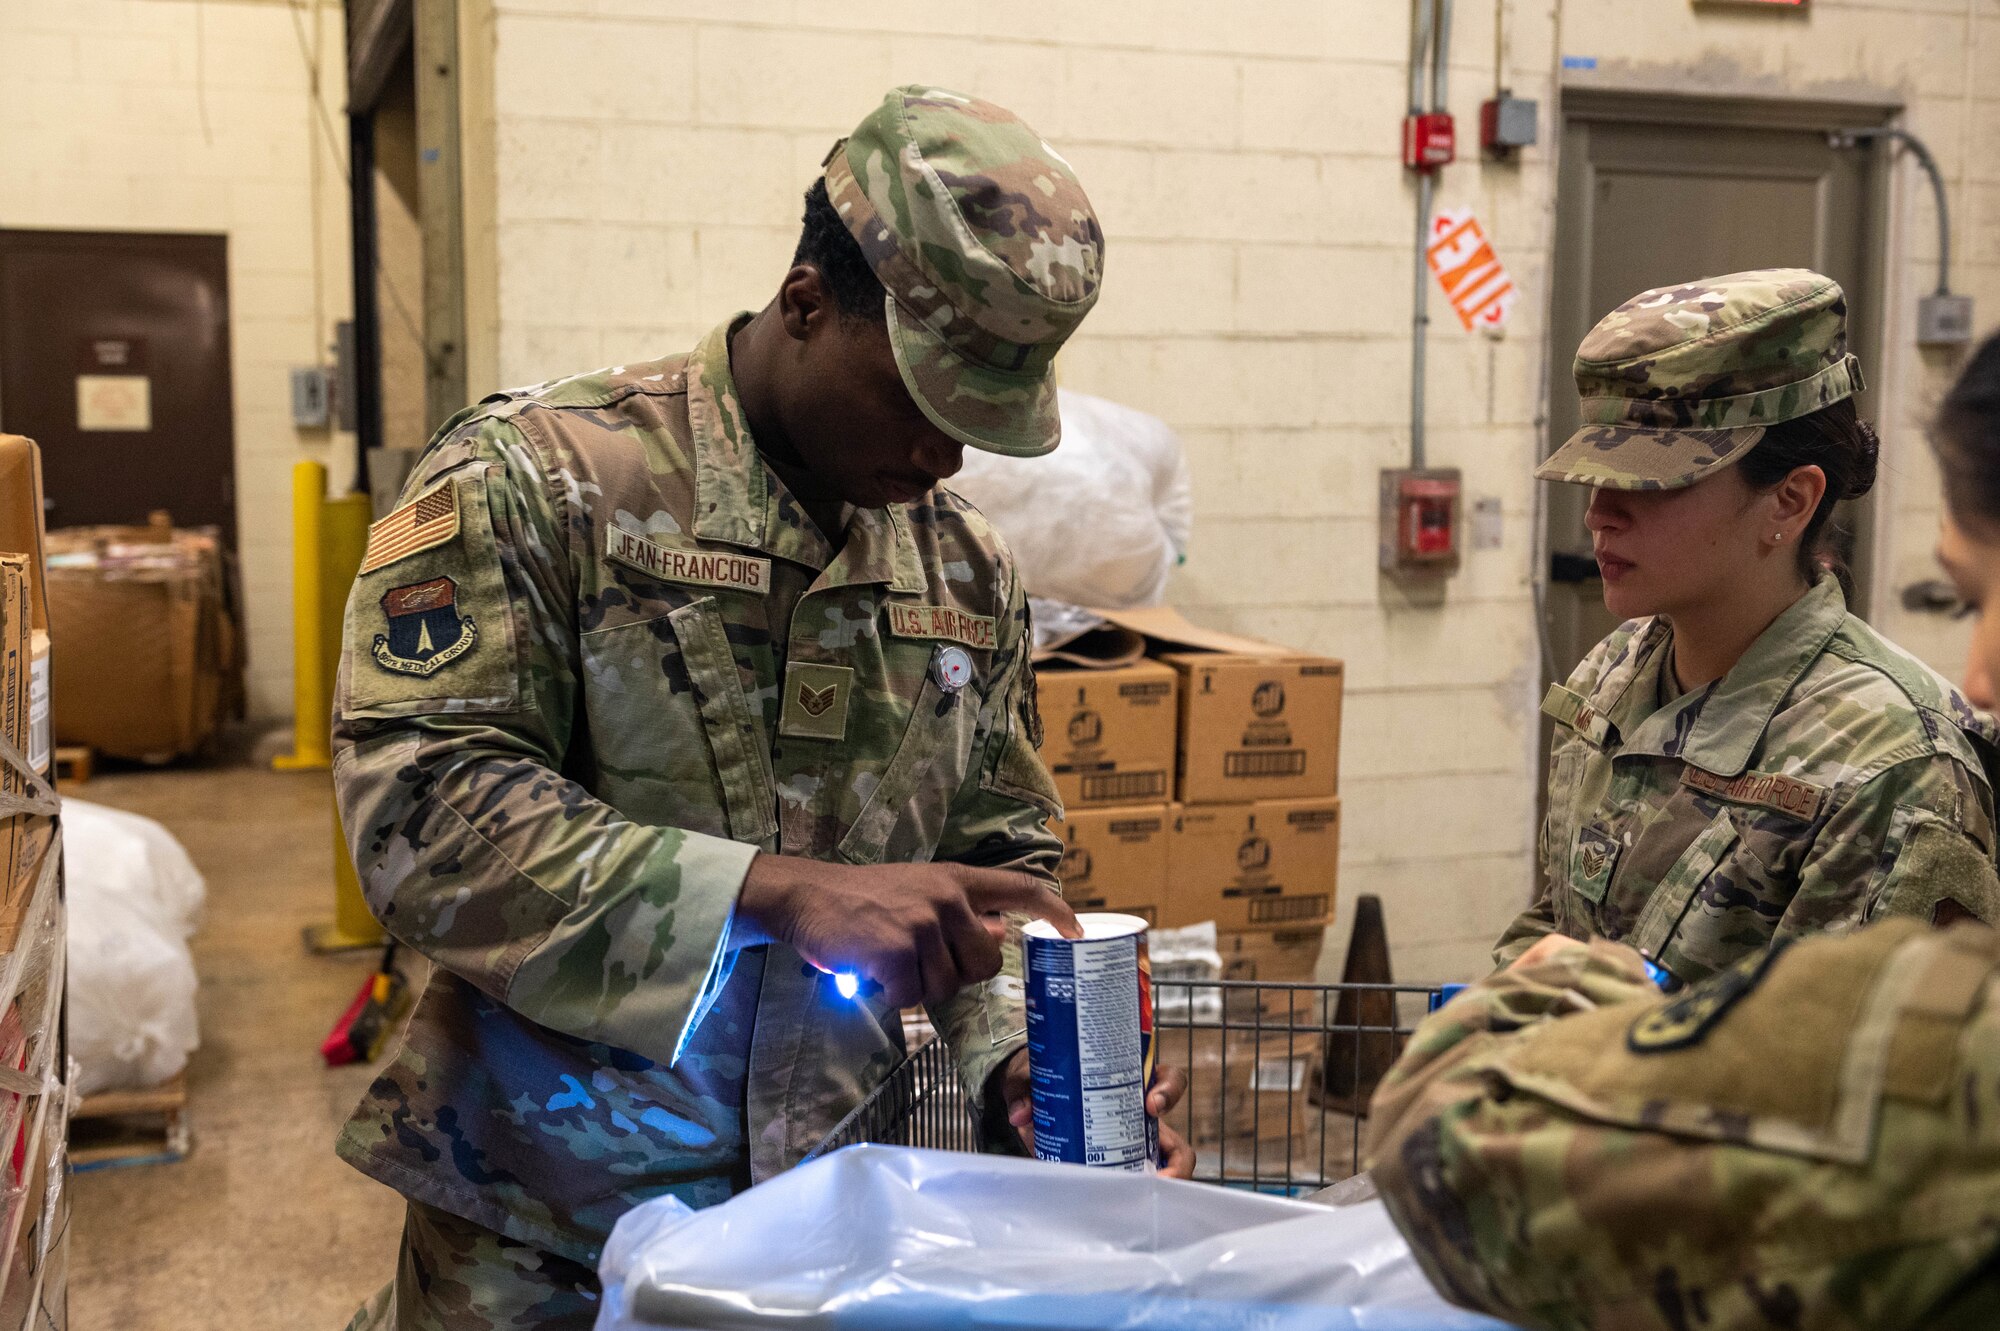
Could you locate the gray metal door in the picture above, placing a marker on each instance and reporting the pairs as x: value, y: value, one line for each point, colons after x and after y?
x: 1654, y: 190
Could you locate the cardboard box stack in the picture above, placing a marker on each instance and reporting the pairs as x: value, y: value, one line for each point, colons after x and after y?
x: 146, y: 616
x: 34, y: 1110
x: 1248, y: 1110
x: 1246, y: 833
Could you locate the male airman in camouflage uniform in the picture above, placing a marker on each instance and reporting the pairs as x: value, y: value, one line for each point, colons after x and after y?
x: 646, y: 725
x: 1808, y: 1139
x: 1829, y: 778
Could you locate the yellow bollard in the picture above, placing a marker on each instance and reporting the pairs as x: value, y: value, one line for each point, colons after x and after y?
x: 354, y: 925
x: 341, y: 538
x: 312, y: 686
x: 344, y: 541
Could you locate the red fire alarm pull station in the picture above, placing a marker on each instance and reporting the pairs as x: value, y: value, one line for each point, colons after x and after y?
x: 1429, y: 141
x: 1420, y: 520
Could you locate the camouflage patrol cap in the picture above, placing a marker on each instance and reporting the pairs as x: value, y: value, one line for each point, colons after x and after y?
x: 1681, y: 381
x: 990, y: 253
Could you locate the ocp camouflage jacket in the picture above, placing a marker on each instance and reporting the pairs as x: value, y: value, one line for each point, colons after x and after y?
x: 1810, y: 1138
x: 597, y: 661
x: 1829, y: 778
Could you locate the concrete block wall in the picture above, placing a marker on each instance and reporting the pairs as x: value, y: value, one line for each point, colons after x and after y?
x: 1941, y: 59
x: 167, y: 115
x: 650, y: 155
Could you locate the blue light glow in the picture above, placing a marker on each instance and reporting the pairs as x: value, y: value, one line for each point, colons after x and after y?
x: 847, y: 983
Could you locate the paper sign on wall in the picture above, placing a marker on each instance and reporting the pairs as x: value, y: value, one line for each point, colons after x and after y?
x: 114, y: 402
x: 1471, y: 274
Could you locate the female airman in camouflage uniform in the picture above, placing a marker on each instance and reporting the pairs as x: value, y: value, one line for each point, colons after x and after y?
x: 1810, y: 1138
x: 1743, y: 761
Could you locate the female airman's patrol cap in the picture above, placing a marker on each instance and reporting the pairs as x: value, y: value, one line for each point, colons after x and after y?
x: 990, y: 253
x: 1681, y: 381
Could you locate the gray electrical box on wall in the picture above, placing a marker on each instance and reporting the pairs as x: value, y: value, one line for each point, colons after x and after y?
x: 1506, y: 124
x: 1944, y: 320
x: 309, y: 397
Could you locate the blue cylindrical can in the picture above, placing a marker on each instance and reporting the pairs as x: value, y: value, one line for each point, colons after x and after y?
x: 1090, y: 1042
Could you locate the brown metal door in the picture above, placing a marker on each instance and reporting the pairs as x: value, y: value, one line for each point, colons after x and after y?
x: 114, y: 356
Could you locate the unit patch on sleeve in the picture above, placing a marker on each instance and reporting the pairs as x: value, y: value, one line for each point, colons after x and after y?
x: 707, y: 568
x: 1687, y: 1020
x: 941, y: 623
x: 426, y: 632
x: 429, y: 520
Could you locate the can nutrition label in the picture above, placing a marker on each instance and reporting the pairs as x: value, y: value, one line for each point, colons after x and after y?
x: 1086, y: 1044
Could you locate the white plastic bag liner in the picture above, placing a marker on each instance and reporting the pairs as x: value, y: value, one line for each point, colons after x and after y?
x: 134, y: 899
x: 884, y: 1238
x: 1102, y: 520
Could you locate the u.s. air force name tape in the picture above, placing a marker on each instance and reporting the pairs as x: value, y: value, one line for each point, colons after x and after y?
x: 940, y: 623
x: 1781, y: 794
x: 707, y: 568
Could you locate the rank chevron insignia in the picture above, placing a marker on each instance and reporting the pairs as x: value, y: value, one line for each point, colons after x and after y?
x: 816, y: 701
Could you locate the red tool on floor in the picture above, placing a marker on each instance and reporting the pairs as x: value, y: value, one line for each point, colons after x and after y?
x: 363, y: 1029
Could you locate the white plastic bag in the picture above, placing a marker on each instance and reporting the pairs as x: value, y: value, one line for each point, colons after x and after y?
x: 1102, y: 520
x: 884, y: 1238
x: 134, y: 899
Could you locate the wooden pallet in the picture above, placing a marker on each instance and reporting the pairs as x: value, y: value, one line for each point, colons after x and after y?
x: 117, y: 1128
x: 74, y: 763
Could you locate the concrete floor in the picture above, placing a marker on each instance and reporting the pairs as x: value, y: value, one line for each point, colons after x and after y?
x: 262, y: 1226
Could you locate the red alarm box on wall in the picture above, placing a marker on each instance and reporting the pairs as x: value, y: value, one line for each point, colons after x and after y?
x: 1429, y: 140
x: 1420, y: 519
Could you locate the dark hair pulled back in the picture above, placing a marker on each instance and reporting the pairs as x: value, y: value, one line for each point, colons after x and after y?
x: 1966, y: 439
x: 827, y: 244
x: 1837, y: 441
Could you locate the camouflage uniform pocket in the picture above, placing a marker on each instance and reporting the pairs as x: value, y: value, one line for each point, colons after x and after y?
x: 1675, y: 892
x: 736, y: 741
x: 429, y: 624
x: 931, y: 734
x: 1930, y: 863
x: 1017, y: 770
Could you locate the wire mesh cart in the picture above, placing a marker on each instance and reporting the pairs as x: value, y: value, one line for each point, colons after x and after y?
x: 1279, y: 1077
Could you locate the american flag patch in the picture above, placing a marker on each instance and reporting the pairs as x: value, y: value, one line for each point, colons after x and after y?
x: 429, y: 519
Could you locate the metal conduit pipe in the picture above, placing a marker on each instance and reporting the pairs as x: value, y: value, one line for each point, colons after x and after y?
x: 1440, y: 52
x: 1420, y: 321
x: 1420, y: 41
x: 1430, y: 27
x: 1847, y: 138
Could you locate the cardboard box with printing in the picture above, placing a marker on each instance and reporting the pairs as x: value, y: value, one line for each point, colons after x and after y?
x: 1257, y: 727
x: 145, y: 619
x: 21, y: 533
x: 1273, y: 957
x: 24, y: 837
x: 1109, y: 735
x: 1268, y: 865
x: 1115, y: 859
x: 1257, y: 721
x: 1242, y: 1083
